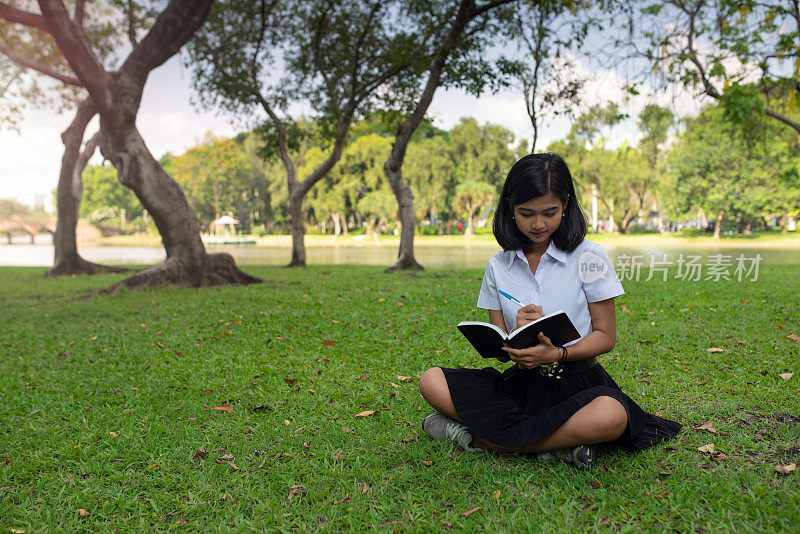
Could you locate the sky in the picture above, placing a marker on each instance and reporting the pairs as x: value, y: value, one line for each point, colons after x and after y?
x: 30, y: 160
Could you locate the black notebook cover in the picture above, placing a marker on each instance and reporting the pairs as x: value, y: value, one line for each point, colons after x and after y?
x: 488, y: 338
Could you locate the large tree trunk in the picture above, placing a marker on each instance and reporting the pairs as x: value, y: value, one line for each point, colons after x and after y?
x: 405, y: 201
x: 117, y: 96
x: 67, y: 261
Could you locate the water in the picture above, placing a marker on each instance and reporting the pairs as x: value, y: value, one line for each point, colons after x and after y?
x: 469, y: 255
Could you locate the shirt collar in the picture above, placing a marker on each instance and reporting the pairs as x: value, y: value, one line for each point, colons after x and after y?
x: 552, y: 251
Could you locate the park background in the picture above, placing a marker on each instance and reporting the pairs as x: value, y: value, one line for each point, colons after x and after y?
x: 286, y: 399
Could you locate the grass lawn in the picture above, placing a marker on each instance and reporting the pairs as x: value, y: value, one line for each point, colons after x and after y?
x: 236, y: 409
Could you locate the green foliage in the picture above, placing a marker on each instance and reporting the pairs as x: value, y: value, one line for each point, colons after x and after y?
x: 716, y: 169
x: 105, y: 200
x: 12, y: 206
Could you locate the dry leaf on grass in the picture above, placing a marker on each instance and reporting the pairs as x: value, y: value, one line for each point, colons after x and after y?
x: 296, y: 490
x: 715, y: 349
x: 225, y: 458
x: 366, y: 489
x: 348, y: 430
x: 786, y: 376
x: 785, y: 469
x: 328, y: 343
x: 225, y: 408
x: 409, y: 440
x: 794, y: 337
x: 469, y: 513
x: 365, y: 414
x: 706, y: 426
x: 290, y: 381
x: 427, y: 463
x: 200, y: 453
x: 707, y: 448
x: 83, y: 513
x: 405, y: 378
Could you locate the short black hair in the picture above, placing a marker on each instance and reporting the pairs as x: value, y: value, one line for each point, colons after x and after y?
x: 533, y: 176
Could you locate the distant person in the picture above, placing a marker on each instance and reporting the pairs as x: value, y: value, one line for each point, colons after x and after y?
x: 556, y: 402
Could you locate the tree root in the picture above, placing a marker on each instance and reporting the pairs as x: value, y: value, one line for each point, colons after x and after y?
x: 405, y: 263
x: 216, y: 270
x: 66, y: 267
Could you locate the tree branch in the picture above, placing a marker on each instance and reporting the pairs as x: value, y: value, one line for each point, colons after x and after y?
x: 318, y: 56
x: 357, y: 59
x: 18, y: 16
x: 79, y: 12
x: 783, y: 119
x: 30, y: 64
x: 172, y: 29
x: 131, y: 25
x: 74, y: 45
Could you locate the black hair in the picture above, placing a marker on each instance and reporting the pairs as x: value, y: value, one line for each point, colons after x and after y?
x: 533, y: 176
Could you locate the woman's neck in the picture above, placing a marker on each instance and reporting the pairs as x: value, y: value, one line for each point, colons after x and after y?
x: 537, y: 249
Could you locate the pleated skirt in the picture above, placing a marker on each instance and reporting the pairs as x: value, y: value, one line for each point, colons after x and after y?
x: 520, y: 406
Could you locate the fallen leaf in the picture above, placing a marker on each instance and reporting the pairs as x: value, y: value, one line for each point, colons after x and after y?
x: 706, y: 426
x: 427, y: 463
x: 225, y: 408
x: 296, y: 490
x: 262, y: 407
x: 719, y: 456
x: 160, y: 345
x: 113, y: 434
x: 785, y: 469
x: 83, y: 513
x: 134, y: 389
x: 366, y: 489
x: 200, y: 453
x: 126, y: 410
x: 226, y: 458
x: 665, y: 473
x: 339, y: 455
x: 365, y: 414
x: 346, y: 499
x: 707, y: 448
x: 393, y: 384
x: 16, y: 531
x: 786, y: 376
x: 409, y: 440
x: 405, y: 378
x: 290, y: 381
x: 715, y: 349
x: 683, y: 310
x: 349, y: 431
x: 794, y: 337
x: 588, y: 508
x: 328, y: 343
x: 496, y: 494
x: 467, y: 514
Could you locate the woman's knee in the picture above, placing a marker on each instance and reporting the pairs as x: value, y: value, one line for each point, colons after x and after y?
x: 610, y: 414
x: 430, y: 379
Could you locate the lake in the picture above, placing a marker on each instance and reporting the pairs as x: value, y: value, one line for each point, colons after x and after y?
x: 342, y: 251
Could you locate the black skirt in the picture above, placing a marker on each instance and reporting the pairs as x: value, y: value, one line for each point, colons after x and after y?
x: 520, y: 406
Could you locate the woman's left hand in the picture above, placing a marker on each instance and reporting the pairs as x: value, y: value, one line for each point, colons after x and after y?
x: 544, y: 352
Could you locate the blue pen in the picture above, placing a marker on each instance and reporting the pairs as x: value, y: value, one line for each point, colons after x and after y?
x: 509, y: 297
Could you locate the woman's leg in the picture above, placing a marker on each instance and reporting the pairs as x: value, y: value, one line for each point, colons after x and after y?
x: 603, y: 419
x: 433, y: 386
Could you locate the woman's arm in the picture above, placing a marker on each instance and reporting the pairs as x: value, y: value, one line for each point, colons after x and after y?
x: 496, y: 318
x: 603, y: 335
x: 599, y: 341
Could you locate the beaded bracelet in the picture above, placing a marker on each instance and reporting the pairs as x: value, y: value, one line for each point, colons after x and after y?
x: 554, y: 369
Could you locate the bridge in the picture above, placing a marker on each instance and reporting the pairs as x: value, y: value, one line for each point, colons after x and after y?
x: 33, y: 226
x: 23, y: 224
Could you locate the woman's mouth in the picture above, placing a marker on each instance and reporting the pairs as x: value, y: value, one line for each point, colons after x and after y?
x: 538, y: 234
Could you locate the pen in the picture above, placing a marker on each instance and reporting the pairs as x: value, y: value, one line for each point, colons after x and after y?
x: 509, y: 297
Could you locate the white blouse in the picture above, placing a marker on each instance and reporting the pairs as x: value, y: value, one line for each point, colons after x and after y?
x: 563, y: 281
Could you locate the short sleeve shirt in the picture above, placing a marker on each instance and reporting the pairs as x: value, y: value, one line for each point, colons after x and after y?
x: 563, y: 281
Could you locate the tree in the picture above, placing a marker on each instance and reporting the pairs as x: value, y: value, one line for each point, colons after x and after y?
x: 718, y: 46
x: 117, y: 96
x: 25, y: 42
x: 456, y: 38
x: 429, y: 171
x: 655, y: 123
x: 338, y: 55
x: 715, y: 168
x: 544, y: 30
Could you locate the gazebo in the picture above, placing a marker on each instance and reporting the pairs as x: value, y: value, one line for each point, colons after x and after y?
x: 225, y: 224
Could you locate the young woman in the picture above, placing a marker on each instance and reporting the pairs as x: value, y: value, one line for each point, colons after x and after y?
x: 556, y: 402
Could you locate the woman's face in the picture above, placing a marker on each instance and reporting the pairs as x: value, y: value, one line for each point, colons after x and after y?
x: 539, y: 217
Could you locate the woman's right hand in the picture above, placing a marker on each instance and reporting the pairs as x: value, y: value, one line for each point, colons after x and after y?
x: 528, y: 314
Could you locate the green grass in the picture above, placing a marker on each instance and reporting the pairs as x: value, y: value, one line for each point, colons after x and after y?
x: 106, y: 401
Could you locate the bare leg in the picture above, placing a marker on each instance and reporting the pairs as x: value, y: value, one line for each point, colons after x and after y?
x: 433, y: 387
x: 603, y: 419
